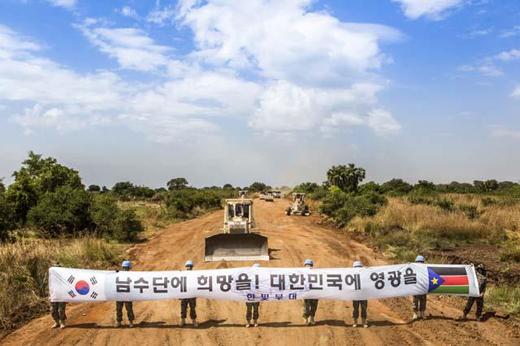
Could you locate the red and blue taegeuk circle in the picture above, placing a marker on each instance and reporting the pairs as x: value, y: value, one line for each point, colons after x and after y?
x: 82, y: 287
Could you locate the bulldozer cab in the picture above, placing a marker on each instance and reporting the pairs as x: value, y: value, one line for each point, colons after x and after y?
x: 238, y: 216
x: 237, y: 241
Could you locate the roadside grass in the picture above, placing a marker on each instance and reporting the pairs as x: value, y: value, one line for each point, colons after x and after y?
x: 24, y: 271
x: 504, y: 298
x: 406, y: 227
x: 422, y: 226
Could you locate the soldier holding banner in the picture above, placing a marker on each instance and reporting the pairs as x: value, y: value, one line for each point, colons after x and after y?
x: 482, y: 282
x: 359, y: 303
x: 419, y: 301
x: 58, y: 311
x: 191, y: 302
x: 309, y: 305
x: 252, y: 309
x: 128, y: 305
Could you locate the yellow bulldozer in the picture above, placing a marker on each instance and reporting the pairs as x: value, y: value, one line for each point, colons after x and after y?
x: 238, y: 241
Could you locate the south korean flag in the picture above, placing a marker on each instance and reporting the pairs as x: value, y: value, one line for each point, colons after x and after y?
x: 74, y: 285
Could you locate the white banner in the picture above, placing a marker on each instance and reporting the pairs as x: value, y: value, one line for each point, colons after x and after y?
x: 263, y: 284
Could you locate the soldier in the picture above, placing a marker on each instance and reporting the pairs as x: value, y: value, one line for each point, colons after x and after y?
x: 58, y: 311
x: 128, y: 305
x: 419, y: 301
x: 357, y: 303
x: 482, y: 282
x: 309, y: 305
x: 252, y: 307
x: 192, y: 302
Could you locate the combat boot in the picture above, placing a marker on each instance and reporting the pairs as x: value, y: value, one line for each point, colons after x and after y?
x: 55, y: 325
x: 255, y: 323
x: 195, y: 324
x: 62, y: 324
x: 306, y: 320
x: 183, y: 322
x: 355, y: 323
x: 312, y: 321
x: 131, y: 324
x: 464, y: 316
x: 478, y: 319
x: 414, y: 316
x: 365, y: 324
x: 118, y: 324
x: 248, y: 324
x: 423, y: 315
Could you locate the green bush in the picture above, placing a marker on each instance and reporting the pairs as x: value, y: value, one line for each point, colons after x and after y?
x: 63, y: 212
x: 471, y: 211
x: 510, y: 255
x: 190, y: 202
x: 113, y: 223
x: 7, y: 220
x: 445, y: 205
x: 127, y: 226
x: 343, y: 207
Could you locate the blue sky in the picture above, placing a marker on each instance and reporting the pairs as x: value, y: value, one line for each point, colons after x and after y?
x: 223, y: 91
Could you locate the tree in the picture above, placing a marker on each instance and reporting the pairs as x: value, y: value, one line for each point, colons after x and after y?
x: 123, y: 188
x: 370, y: 187
x: 347, y: 178
x: 258, y: 187
x: 306, y: 187
x: 7, y: 220
x: 37, y: 177
x: 227, y: 187
x: 177, y: 184
x: 94, y: 188
x: 65, y: 211
x: 396, y: 186
x: 2, y: 186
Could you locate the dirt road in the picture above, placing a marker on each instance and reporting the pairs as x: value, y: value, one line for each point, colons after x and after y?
x: 291, y: 239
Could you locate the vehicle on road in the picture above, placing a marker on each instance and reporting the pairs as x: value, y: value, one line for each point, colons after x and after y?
x: 238, y: 241
x: 298, y: 206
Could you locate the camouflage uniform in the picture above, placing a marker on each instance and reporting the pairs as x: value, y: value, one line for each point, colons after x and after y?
x: 356, y: 304
x: 58, y: 311
x: 192, y: 302
x: 252, y: 307
x: 419, y: 303
x: 482, y: 280
x: 309, y: 307
x: 129, y: 311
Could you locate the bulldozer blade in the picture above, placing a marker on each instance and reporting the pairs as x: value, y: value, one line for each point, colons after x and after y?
x: 236, y: 247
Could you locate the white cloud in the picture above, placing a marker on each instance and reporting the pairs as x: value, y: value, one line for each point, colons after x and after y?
x: 382, y: 122
x: 513, y: 32
x: 513, y: 54
x: 431, y: 9
x: 516, y: 92
x: 129, y: 12
x: 503, y: 131
x: 131, y: 47
x: 278, y: 66
x: 69, y: 4
x: 313, y: 64
x: 162, y: 16
x: 281, y: 39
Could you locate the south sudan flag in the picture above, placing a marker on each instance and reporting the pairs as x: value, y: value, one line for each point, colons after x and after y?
x: 449, y: 280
